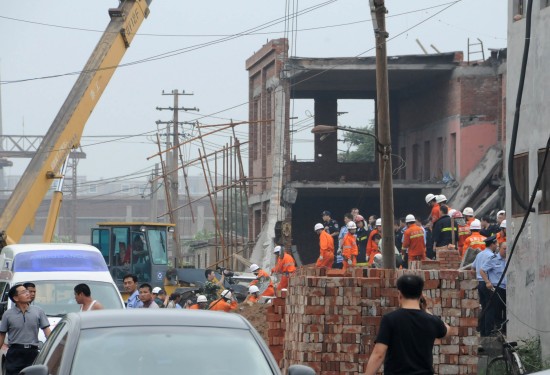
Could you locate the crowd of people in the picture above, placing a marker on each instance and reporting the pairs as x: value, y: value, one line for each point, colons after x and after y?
x: 481, y: 243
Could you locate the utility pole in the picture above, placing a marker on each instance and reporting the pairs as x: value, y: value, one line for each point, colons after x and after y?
x: 154, y: 196
x: 172, y: 159
x: 378, y: 12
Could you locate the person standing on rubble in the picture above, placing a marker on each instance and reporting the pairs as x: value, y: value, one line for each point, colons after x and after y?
x: 414, y: 243
x: 444, y: 234
x: 326, y: 247
x: 261, y: 278
x: 406, y: 336
x: 285, y: 267
x: 349, y: 246
x: 362, y: 237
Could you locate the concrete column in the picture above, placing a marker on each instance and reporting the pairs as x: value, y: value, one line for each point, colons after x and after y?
x: 326, y: 145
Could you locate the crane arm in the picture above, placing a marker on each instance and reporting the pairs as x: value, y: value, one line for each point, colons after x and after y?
x: 66, y: 130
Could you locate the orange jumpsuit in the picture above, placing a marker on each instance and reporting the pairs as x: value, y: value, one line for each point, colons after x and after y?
x: 349, y: 250
x: 372, y: 247
x: 326, y: 250
x: 270, y: 291
x: 221, y: 305
x: 463, y: 234
x: 475, y: 241
x: 252, y: 298
x: 436, y: 213
x: 413, y: 239
x: 285, y: 266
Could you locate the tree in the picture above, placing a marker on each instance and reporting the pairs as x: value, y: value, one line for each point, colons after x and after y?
x: 364, y: 144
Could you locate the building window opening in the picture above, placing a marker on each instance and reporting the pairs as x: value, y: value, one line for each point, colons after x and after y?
x: 302, y: 120
x: 356, y: 115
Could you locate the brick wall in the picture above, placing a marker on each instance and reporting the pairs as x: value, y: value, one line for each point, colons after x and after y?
x: 330, y: 322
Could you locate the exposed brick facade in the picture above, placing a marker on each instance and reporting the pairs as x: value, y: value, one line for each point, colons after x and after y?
x: 330, y: 319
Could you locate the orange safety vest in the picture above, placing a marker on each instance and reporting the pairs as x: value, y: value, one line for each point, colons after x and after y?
x: 475, y: 241
x: 463, y: 233
x: 349, y: 250
x: 413, y: 239
x: 270, y: 291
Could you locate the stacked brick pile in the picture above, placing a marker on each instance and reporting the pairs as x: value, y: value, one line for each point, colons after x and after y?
x: 331, y: 321
x: 276, y: 326
x: 448, y: 259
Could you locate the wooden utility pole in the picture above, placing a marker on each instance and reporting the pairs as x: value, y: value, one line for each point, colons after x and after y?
x: 378, y: 12
x: 172, y: 160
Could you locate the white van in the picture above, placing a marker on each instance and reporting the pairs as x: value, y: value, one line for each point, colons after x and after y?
x: 56, y: 269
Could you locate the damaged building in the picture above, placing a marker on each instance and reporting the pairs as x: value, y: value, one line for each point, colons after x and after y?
x: 447, y: 124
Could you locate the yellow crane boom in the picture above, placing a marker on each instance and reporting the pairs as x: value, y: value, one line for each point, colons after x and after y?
x: 66, y: 130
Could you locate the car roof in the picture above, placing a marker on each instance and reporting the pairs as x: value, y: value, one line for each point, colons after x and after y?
x: 157, y: 318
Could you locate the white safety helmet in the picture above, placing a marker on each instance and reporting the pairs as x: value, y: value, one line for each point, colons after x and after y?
x: 254, y: 267
x: 226, y: 294
x: 476, y: 224
x: 503, y: 224
x: 318, y: 226
x: 277, y: 250
x: 253, y: 289
x: 201, y: 298
x: 378, y: 222
x: 440, y: 198
x: 468, y: 211
x: 430, y: 197
x: 410, y: 219
x: 501, y: 212
x: 351, y: 225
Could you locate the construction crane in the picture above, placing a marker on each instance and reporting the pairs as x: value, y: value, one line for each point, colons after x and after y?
x: 66, y: 130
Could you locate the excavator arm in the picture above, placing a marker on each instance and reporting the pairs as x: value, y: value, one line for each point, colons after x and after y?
x: 66, y: 130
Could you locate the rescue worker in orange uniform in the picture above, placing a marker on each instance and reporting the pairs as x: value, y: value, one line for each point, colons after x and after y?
x: 476, y: 239
x: 326, y: 247
x: 225, y: 303
x: 430, y: 201
x: 202, y: 303
x: 463, y: 230
x: 413, y: 240
x: 372, y: 247
x: 263, y: 277
x: 285, y: 267
x: 349, y: 246
x: 253, y: 295
x: 501, y: 236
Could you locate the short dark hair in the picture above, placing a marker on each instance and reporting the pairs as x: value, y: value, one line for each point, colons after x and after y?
x: 444, y: 208
x: 208, y: 272
x: 29, y: 285
x: 486, y: 218
x: 410, y: 286
x: 13, y: 291
x: 146, y: 285
x: 376, y: 236
x: 134, y: 277
x: 349, y: 216
x: 83, y: 288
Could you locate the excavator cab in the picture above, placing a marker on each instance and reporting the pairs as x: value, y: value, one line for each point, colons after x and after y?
x: 137, y: 248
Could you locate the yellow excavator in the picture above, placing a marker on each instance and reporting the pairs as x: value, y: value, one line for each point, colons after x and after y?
x: 65, y: 133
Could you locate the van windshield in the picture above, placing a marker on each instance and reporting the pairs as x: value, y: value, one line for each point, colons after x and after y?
x: 56, y: 298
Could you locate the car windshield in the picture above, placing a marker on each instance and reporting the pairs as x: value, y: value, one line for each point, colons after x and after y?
x: 56, y: 298
x: 168, y: 350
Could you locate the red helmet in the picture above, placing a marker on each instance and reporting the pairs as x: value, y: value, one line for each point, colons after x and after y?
x: 457, y: 214
x: 359, y: 218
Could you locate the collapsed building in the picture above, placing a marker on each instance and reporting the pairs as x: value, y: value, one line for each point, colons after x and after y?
x: 447, y: 129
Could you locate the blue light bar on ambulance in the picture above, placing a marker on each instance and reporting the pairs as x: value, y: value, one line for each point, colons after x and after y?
x: 59, y: 260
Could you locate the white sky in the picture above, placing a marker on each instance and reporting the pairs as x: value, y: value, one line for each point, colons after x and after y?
x: 215, y: 74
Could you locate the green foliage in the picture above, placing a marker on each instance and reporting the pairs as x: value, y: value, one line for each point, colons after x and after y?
x: 203, y: 235
x: 530, y: 354
x: 364, y: 144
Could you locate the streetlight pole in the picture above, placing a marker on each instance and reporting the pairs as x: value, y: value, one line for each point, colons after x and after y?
x: 378, y: 12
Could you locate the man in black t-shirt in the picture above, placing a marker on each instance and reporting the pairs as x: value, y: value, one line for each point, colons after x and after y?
x: 406, y: 336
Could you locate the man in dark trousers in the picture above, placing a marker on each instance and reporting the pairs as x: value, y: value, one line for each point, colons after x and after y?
x: 21, y: 323
x: 406, y: 337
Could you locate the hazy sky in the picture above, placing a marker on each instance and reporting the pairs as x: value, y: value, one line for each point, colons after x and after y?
x: 40, y: 39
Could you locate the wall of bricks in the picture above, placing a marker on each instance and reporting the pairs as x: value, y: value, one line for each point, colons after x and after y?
x: 330, y: 319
